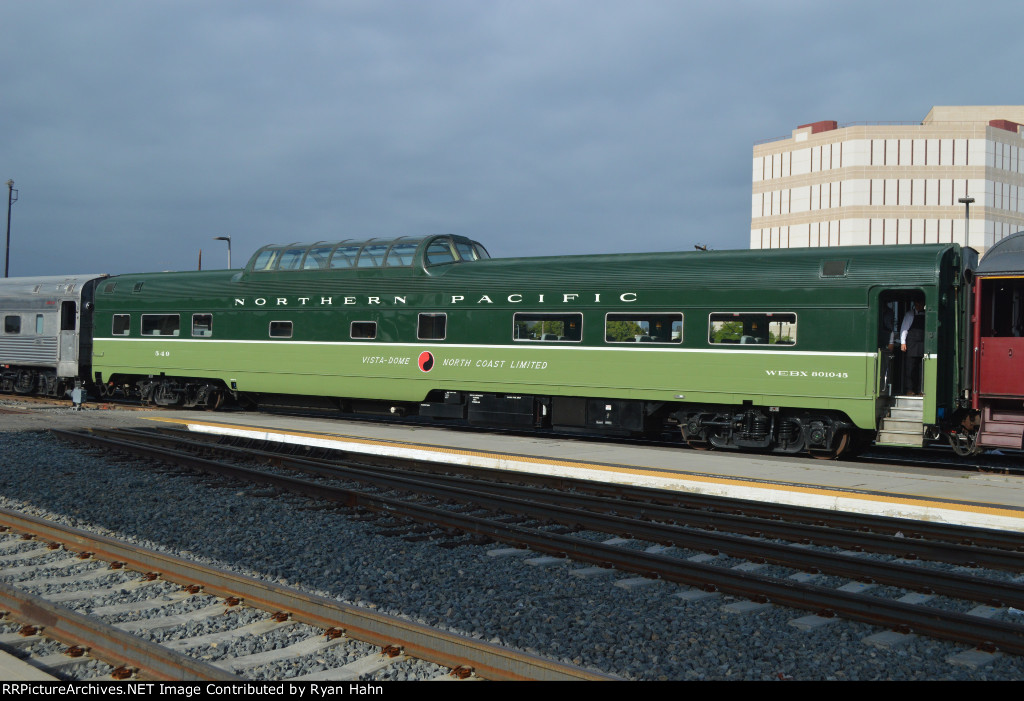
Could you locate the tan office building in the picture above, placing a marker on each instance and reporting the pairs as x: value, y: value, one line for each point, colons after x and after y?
x: 884, y: 184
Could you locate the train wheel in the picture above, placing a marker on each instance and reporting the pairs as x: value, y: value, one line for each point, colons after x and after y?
x: 963, y: 444
x: 215, y: 401
x: 694, y: 442
x: 25, y: 383
x: 699, y: 445
x: 838, y: 449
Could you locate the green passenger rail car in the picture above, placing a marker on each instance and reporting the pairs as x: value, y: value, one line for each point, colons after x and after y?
x: 767, y: 350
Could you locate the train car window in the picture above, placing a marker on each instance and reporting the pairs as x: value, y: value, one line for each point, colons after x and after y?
x: 39, y: 324
x: 466, y: 251
x: 440, y: 252
x: 431, y: 327
x: 547, y: 328
x: 758, y: 329
x: 363, y: 329
x: 68, y: 312
x: 643, y: 328
x: 372, y: 256
x: 122, y: 325
x: 280, y: 329
x: 317, y: 258
x: 1002, y: 305
x: 266, y: 259
x: 400, y: 255
x: 345, y: 257
x: 202, y: 324
x: 291, y: 259
x: 160, y: 325
x: 12, y: 324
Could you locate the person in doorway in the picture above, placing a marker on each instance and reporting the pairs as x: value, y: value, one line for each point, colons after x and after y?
x: 912, y: 345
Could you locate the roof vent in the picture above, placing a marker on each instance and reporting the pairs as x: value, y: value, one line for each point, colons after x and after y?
x: 834, y: 268
x: 1004, y: 124
x: 817, y: 127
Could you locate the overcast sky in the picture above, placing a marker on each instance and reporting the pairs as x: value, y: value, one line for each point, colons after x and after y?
x: 136, y: 131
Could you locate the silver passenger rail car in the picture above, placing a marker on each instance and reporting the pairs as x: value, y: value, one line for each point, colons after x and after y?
x: 46, y: 333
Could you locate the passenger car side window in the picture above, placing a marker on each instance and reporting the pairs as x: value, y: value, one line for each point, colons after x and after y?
x: 758, y: 329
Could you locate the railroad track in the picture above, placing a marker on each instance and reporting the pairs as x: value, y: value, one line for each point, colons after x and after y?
x: 237, y: 613
x: 776, y: 520
x: 808, y: 573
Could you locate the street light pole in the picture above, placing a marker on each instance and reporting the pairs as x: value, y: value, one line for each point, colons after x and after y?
x: 966, y: 202
x: 228, y: 239
x: 12, y: 197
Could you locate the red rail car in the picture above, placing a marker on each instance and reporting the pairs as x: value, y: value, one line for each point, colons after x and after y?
x: 998, y: 372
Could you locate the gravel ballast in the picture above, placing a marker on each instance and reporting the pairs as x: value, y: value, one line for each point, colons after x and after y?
x: 641, y: 633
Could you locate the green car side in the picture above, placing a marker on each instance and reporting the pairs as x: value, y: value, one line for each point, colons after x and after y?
x: 725, y: 344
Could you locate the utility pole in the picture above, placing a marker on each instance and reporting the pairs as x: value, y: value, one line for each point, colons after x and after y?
x: 12, y: 197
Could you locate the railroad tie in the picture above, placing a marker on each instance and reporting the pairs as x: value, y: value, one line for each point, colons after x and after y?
x: 83, y: 594
x: 257, y: 628
x: 97, y: 573
x: 71, y: 559
x: 26, y: 555
x: 164, y: 622
x: 13, y: 668
x: 308, y: 646
x: 353, y: 670
x: 143, y: 605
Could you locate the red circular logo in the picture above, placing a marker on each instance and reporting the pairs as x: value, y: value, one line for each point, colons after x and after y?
x: 426, y: 361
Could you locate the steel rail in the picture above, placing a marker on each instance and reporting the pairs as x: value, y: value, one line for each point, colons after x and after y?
x: 105, y: 642
x: 950, y: 625
x: 488, y: 660
x: 1008, y: 637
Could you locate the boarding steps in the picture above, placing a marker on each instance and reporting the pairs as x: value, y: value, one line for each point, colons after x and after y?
x: 1001, y: 428
x: 904, y: 424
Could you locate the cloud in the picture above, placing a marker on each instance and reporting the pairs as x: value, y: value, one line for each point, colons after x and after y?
x: 138, y: 131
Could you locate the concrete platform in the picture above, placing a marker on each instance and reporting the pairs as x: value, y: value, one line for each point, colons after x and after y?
x: 958, y: 497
